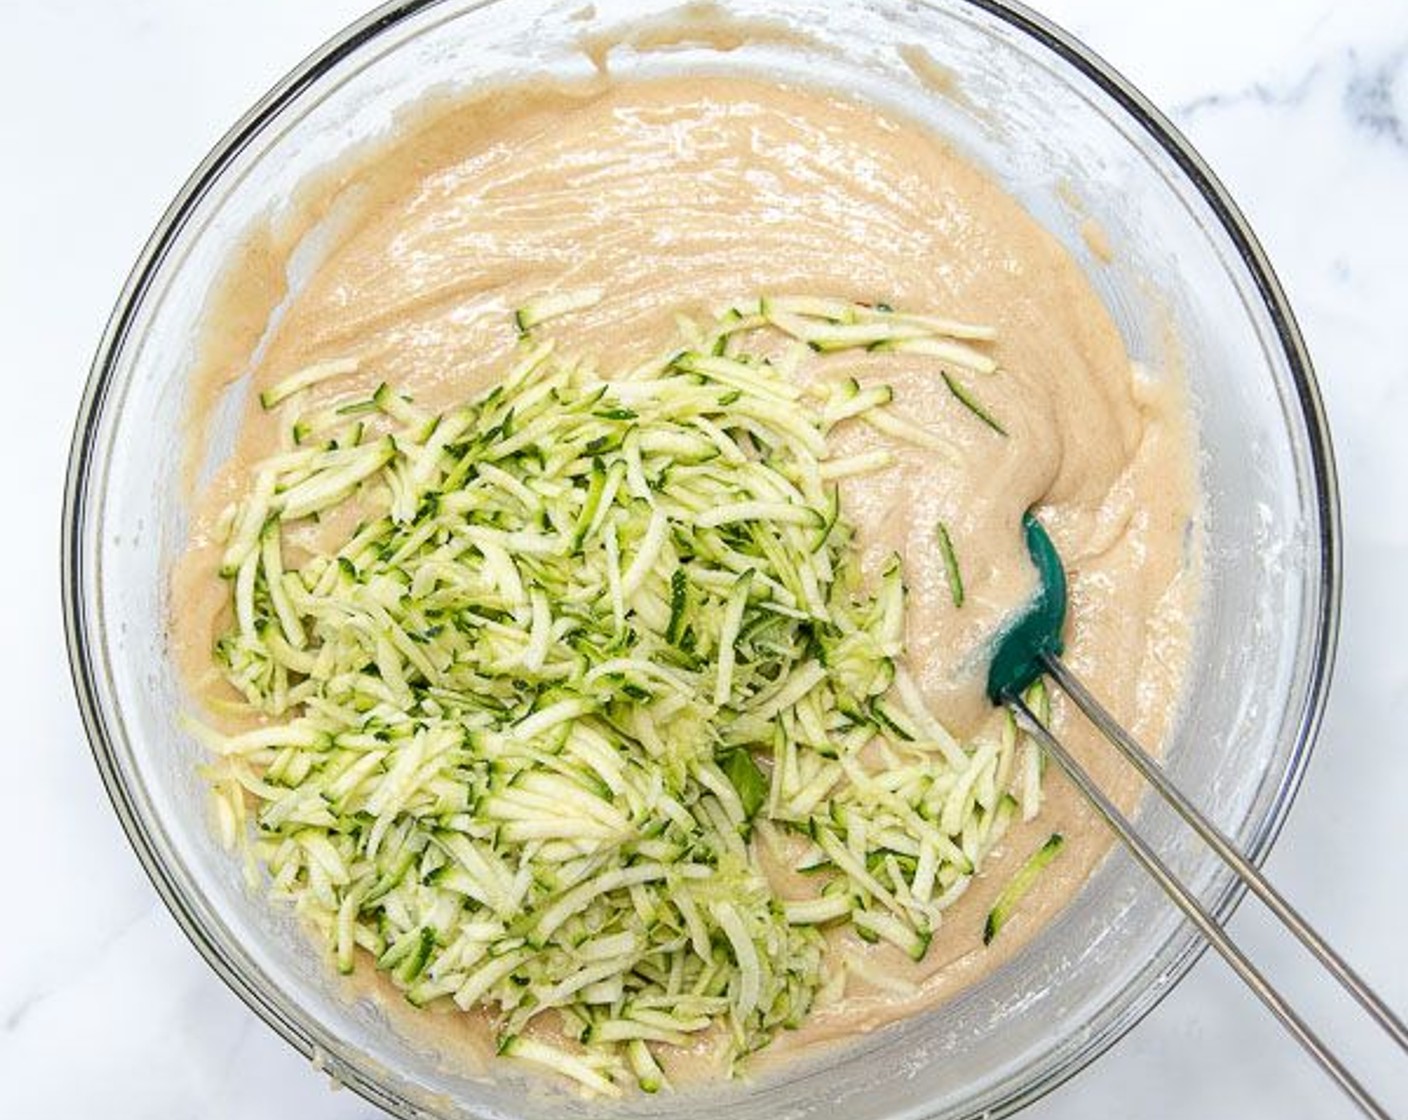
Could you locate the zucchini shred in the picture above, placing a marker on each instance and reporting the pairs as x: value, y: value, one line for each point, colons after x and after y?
x: 596, y: 645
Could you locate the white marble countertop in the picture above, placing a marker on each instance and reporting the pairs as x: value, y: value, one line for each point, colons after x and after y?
x: 105, y: 1010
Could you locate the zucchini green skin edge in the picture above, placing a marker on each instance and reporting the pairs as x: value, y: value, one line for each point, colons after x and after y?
x: 972, y: 404
x: 1020, y: 884
x: 747, y: 779
x: 951, y: 569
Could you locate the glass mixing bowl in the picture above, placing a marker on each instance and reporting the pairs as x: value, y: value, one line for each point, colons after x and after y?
x: 1186, y: 283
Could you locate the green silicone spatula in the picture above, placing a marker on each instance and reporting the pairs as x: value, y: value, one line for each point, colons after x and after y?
x: 1032, y: 646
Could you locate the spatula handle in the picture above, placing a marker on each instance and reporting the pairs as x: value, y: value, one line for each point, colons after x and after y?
x: 1215, y: 839
x: 1206, y: 924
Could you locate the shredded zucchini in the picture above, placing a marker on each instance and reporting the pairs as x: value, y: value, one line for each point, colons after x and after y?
x: 1020, y: 884
x: 522, y: 726
x: 952, y: 572
x: 966, y: 398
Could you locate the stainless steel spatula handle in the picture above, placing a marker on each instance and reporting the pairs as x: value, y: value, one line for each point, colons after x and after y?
x: 1215, y: 839
x: 1207, y: 925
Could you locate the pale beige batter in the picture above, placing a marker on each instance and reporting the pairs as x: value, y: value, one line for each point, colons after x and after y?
x: 678, y: 195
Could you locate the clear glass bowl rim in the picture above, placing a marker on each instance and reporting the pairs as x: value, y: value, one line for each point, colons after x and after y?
x: 290, y: 1021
